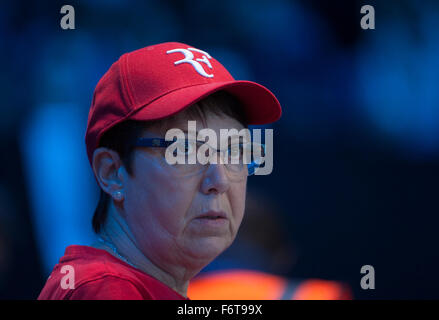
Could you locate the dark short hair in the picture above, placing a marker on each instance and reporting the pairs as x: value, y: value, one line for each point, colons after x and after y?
x: 119, y: 137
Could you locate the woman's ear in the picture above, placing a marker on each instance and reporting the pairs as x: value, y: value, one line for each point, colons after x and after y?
x: 108, y: 167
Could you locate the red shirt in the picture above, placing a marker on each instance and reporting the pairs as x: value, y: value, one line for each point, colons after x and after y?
x: 98, y: 275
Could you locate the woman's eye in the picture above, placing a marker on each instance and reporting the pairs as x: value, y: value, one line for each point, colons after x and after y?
x: 236, y: 150
x: 185, y: 148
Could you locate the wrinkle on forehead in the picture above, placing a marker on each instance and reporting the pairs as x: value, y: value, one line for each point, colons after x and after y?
x: 180, y: 120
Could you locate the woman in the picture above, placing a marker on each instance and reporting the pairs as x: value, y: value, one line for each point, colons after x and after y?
x: 158, y: 223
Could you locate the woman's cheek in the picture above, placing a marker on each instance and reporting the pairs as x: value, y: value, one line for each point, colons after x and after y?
x: 237, y: 202
x: 173, y: 206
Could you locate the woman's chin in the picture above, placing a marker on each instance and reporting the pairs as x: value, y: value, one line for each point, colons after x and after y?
x: 208, y: 248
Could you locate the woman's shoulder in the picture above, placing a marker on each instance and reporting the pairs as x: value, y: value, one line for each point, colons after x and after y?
x: 86, y: 272
x: 89, y: 273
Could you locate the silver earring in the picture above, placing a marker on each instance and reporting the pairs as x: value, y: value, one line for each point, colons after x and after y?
x: 118, y: 196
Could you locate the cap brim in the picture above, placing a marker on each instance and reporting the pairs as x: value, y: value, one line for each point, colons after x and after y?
x: 260, y: 105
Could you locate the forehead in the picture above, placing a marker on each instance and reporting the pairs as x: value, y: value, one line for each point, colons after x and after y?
x: 208, y: 119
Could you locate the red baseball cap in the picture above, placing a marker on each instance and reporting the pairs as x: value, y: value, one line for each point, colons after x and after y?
x: 160, y: 80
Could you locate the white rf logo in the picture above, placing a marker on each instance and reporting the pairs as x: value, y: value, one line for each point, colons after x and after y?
x: 189, y: 58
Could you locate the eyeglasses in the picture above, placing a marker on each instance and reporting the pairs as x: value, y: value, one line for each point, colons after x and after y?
x: 188, y: 157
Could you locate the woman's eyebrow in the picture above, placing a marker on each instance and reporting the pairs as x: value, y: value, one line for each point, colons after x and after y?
x: 232, y: 137
x: 186, y: 131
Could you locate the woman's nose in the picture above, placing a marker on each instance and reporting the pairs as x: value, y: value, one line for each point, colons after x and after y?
x: 215, y: 179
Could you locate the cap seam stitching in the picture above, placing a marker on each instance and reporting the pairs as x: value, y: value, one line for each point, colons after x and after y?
x: 126, y: 83
x: 156, y: 98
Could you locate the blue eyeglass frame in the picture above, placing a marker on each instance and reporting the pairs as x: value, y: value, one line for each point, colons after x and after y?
x: 162, y: 143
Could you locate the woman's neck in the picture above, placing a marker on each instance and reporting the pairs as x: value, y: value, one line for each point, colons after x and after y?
x: 120, y: 242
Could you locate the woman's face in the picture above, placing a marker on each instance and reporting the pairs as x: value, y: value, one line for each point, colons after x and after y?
x: 166, y: 211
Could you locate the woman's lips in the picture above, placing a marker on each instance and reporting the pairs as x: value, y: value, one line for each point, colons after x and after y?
x: 212, y: 219
x: 212, y: 215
